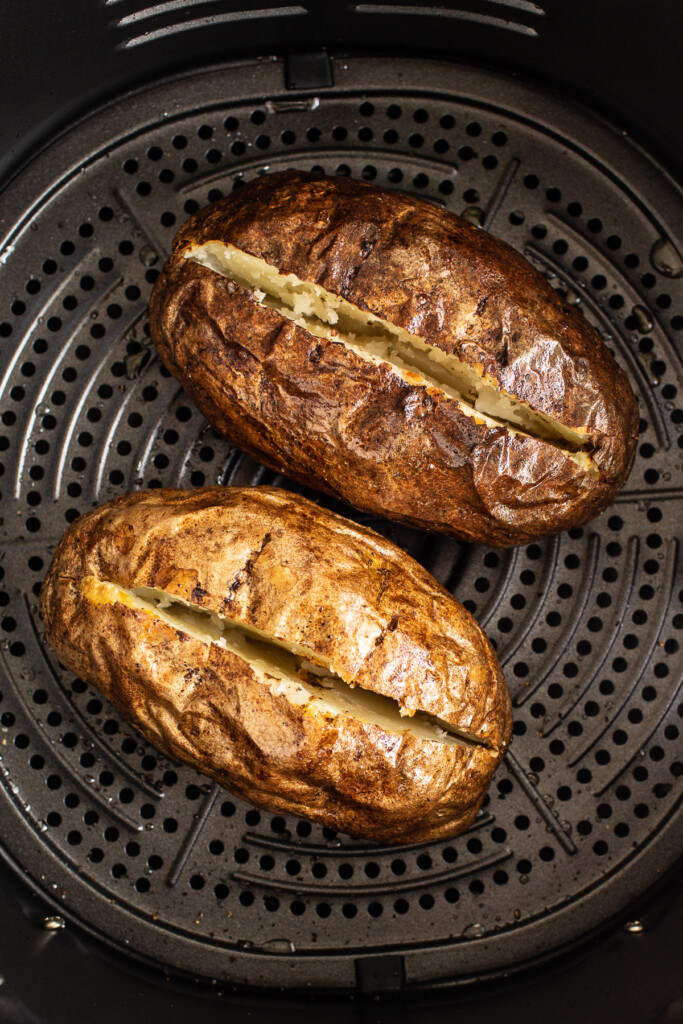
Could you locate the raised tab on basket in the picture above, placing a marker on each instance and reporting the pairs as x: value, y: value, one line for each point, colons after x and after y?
x: 380, y: 975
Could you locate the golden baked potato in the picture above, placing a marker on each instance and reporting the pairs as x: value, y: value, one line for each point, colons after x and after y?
x: 303, y: 662
x: 385, y: 351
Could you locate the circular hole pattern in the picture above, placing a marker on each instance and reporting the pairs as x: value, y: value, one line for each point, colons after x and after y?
x: 549, y: 640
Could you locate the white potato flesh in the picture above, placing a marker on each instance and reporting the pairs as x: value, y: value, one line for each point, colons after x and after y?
x: 287, y: 669
x: 329, y: 316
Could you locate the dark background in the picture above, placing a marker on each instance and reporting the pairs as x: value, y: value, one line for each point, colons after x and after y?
x: 55, y: 977
x: 621, y: 57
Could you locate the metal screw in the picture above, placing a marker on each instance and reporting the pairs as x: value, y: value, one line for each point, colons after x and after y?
x: 53, y: 924
x: 634, y: 927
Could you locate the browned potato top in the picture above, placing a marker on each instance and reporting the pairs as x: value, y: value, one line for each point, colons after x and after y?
x: 297, y: 582
x: 388, y: 441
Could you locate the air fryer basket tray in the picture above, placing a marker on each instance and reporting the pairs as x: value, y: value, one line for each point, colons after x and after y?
x: 584, y: 814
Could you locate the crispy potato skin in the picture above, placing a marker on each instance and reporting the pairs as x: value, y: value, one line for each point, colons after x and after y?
x: 329, y: 419
x: 276, y: 561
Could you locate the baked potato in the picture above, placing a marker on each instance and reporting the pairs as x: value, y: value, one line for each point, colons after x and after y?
x: 305, y: 663
x: 387, y: 352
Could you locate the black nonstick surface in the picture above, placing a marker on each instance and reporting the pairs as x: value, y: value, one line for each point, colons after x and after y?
x: 584, y: 814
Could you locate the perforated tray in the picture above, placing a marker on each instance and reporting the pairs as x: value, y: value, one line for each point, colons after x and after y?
x: 582, y: 816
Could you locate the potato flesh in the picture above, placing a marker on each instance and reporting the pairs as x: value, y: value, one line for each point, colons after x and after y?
x: 287, y: 669
x: 329, y: 316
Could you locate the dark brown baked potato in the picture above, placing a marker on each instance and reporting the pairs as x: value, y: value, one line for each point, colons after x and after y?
x: 304, y: 662
x: 385, y: 351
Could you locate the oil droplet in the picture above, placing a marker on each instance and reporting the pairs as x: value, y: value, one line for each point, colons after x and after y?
x: 646, y: 360
x: 643, y: 319
x: 148, y: 256
x: 244, y: 944
x: 533, y: 778
x: 53, y: 924
x: 473, y: 931
x: 136, y: 362
x: 666, y: 259
x: 281, y: 946
x: 524, y: 879
x: 474, y: 215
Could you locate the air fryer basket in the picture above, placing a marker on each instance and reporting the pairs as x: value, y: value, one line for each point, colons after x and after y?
x: 584, y: 814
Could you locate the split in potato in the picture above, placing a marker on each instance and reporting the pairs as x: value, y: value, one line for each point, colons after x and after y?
x: 329, y: 316
x: 287, y: 669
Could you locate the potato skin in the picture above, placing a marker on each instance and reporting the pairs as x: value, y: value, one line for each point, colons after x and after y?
x: 325, y: 417
x: 276, y: 561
